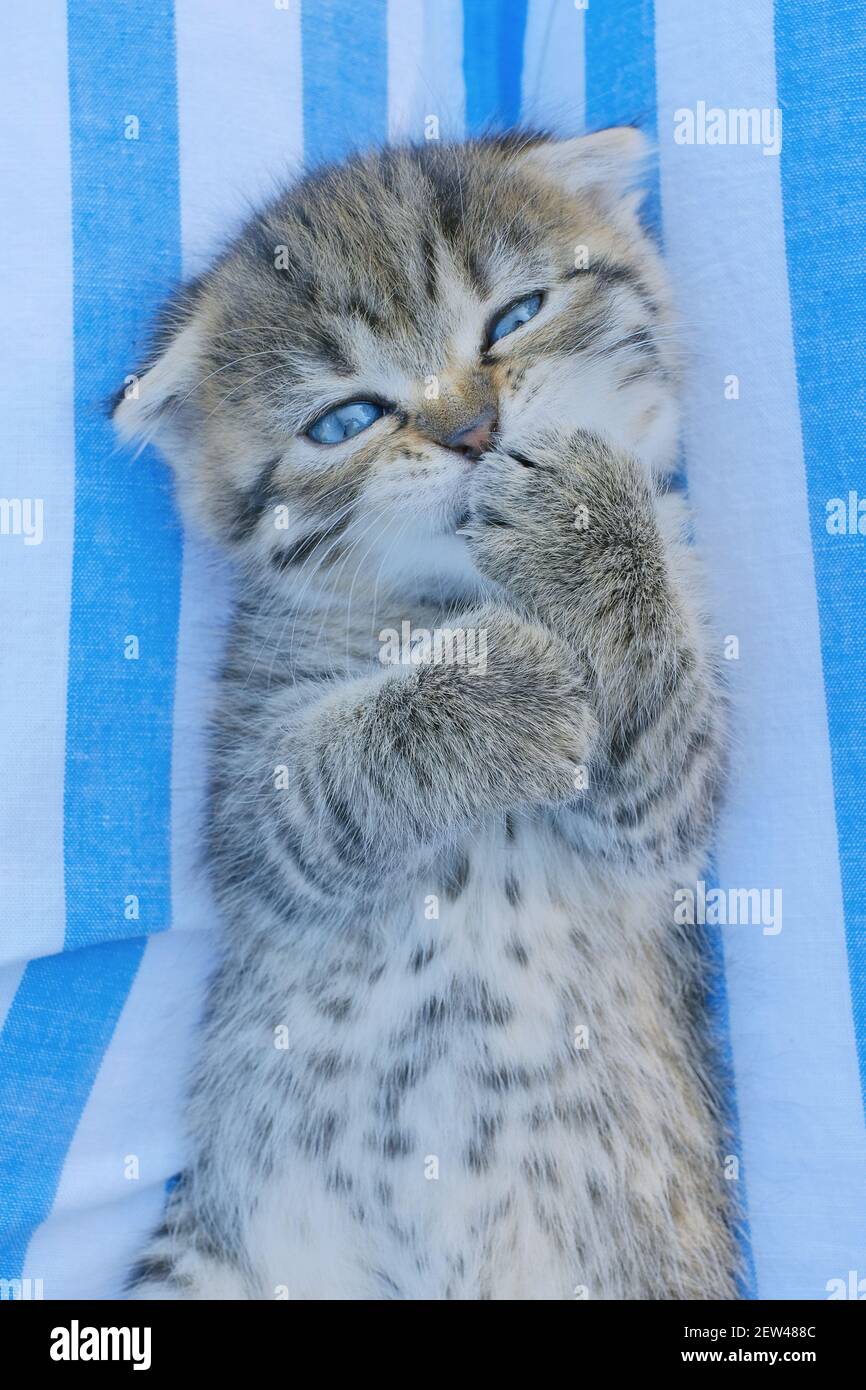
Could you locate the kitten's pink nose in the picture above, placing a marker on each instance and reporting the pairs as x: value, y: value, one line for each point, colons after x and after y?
x: 474, y: 438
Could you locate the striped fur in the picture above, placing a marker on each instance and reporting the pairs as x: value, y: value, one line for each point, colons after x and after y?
x: 453, y: 1049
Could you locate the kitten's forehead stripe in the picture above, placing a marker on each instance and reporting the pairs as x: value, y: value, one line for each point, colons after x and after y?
x: 428, y: 259
x: 332, y: 351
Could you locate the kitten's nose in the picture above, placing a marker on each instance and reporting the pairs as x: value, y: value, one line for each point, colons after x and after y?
x: 474, y: 438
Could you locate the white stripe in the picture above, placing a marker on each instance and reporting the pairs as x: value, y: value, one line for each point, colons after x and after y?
x: 240, y: 114
x: 425, y: 69
x: 554, y: 88
x: 239, y: 101
x: 405, y: 37
x: 794, y: 1052
x: 38, y: 463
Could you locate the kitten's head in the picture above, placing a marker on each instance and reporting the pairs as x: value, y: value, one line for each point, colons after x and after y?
x: 330, y: 384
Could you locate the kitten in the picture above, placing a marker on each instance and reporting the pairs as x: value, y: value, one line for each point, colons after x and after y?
x: 453, y: 1047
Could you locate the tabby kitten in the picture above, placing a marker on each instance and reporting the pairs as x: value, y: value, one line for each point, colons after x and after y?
x: 452, y: 1050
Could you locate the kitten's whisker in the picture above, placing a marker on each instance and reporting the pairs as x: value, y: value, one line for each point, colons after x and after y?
x: 355, y: 542
x: 332, y: 520
x: 278, y: 367
x: 308, y: 580
x: 277, y: 600
x: 399, y: 536
x: 264, y: 352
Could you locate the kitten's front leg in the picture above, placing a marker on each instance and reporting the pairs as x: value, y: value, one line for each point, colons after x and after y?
x: 572, y: 528
x: 380, y: 769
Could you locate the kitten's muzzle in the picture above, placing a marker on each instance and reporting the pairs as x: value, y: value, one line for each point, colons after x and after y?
x: 473, y: 439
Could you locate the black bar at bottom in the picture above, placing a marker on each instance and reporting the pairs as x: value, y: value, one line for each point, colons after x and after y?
x: 72, y: 1338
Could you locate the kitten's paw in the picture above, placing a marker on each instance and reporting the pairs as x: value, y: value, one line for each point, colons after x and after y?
x: 509, y: 513
x: 528, y: 704
x: 558, y: 513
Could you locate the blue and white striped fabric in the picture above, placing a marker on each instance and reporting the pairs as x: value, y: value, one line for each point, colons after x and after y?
x: 137, y: 136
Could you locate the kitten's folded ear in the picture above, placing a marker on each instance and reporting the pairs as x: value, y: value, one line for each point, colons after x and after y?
x: 156, y: 404
x: 610, y: 161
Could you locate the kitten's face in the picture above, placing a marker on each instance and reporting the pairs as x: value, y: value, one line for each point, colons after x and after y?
x: 330, y: 384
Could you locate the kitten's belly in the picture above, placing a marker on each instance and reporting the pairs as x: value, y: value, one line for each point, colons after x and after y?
x: 470, y: 1153
x: 454, y: 1171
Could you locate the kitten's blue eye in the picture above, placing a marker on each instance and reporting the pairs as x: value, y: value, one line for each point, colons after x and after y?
x: 519, y: 313
x: 344, y: 421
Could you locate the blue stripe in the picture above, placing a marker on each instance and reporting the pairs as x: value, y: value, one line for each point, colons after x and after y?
x: 127, y: 556
x: 125, y: 582
x: 493, y: 42
x: 344, y: 51
x: 619, y: 48
x: 821, y: 84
